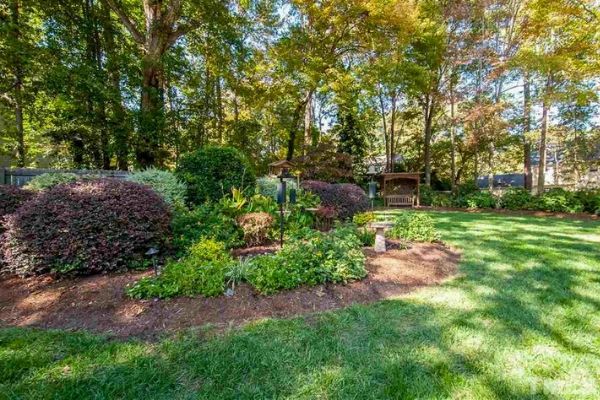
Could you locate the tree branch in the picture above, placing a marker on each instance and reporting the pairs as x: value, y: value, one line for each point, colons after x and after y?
x: 127, y: 21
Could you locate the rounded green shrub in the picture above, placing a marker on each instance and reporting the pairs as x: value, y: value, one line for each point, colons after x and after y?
x: 85, y: 227
x: 558, y: 200
x: 212, y: 172
x: 51, y: 179
x: 165, y: 183
x: 478, y: 199
x: 267, y: 185
x: 516, y: 199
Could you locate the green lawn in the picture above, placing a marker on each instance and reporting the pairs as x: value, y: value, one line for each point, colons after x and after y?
x: 522, y: 321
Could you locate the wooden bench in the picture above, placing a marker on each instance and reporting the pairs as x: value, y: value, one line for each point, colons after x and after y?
x: 400, y: 200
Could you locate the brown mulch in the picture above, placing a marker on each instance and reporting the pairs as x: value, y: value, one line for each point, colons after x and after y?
x: 98, y: 303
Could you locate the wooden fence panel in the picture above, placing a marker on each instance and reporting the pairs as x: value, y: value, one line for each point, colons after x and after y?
x: 20, y: 176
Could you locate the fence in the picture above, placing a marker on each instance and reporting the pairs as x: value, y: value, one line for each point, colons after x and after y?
x: 20, y: 176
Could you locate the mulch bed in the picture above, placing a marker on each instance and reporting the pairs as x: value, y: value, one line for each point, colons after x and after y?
x: 98, y: 303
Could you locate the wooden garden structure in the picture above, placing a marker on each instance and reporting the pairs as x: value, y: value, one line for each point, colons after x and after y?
x: 400, y: 189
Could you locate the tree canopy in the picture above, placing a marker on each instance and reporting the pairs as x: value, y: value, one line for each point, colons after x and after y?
x: 450, y: 88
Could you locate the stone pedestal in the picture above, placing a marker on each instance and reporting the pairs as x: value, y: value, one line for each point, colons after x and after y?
x: 380, y: 228
x: 380, y: 240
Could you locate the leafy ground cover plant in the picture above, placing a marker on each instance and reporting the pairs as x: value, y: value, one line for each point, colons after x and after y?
x: 51, y: 179
x: 414, y: 226
x: 202, y: 272
x: 317, y: 258
x: 85, y: 227
x: 363, y: 219
x: 165, y: 183
x: 212, y: 172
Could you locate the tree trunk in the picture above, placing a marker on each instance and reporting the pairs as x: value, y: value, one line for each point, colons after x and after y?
x: 118, y: 115
x: 452, y: 140
x: 543, y: 135
x: 17, y: 65
x: 393, y: 132
x: 528, y: 178
x: 428, y: 109
x: 294, y: 129
x: 220, y: 117
x: 151, y: 113
x: 385, y: 133
x: 308, y: 116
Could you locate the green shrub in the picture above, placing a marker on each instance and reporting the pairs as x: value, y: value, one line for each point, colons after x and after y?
x: 516, y: 199
x: 267, y: 186
x: 558, y: 200
x: 478, y: 199
x: 212, y: 172
x: 442, y: 200
x: 318, y: 258
x: 426, y: 195
x: 414, y: 226
x: 165, y: 183
x: 363, y: 219
x: 51, y: 179
x: 206, y: 220
x: 202, y: 272
x: 590, y: 200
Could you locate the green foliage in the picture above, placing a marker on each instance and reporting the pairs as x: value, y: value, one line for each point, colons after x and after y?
x: 212, y: 172
x: 477, y: 199
x: 206, y: 220
x: 165, y: 183
x: 362, y: 219
x: 202, y: 272
x: 516, y: 199
x: 50, y: 179
x: 590, y: 200
x: 558, y: 200
x: 415, y: 226
x: 267, y: 186
x: 317, y: 258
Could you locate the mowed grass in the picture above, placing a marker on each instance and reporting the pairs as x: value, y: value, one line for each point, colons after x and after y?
x: 521, y: 321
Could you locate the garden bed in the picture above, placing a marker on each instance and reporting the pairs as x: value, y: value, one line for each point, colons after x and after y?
x: 98, y: 303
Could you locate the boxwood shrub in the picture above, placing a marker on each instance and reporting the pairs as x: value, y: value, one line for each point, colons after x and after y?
x: 165, y: 183
x: 211, y: 172
x: 85, y: 227
x: 51, y: 179
x: 516, y: 199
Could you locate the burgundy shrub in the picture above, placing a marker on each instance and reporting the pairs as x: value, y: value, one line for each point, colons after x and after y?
x: 85, y: 227
x: 11, y: 197
x: 348, y: 199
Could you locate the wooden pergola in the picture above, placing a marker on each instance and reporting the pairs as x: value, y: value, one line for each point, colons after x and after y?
x: 400, y: 188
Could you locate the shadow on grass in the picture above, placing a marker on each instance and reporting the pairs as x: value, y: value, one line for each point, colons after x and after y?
x: 519, y: 323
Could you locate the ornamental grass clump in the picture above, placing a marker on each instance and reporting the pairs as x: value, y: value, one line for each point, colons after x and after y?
x: 85, y: 227
x: 256, y: 227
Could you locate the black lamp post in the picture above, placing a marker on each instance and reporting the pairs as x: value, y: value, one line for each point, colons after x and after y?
x: 282, y: 199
